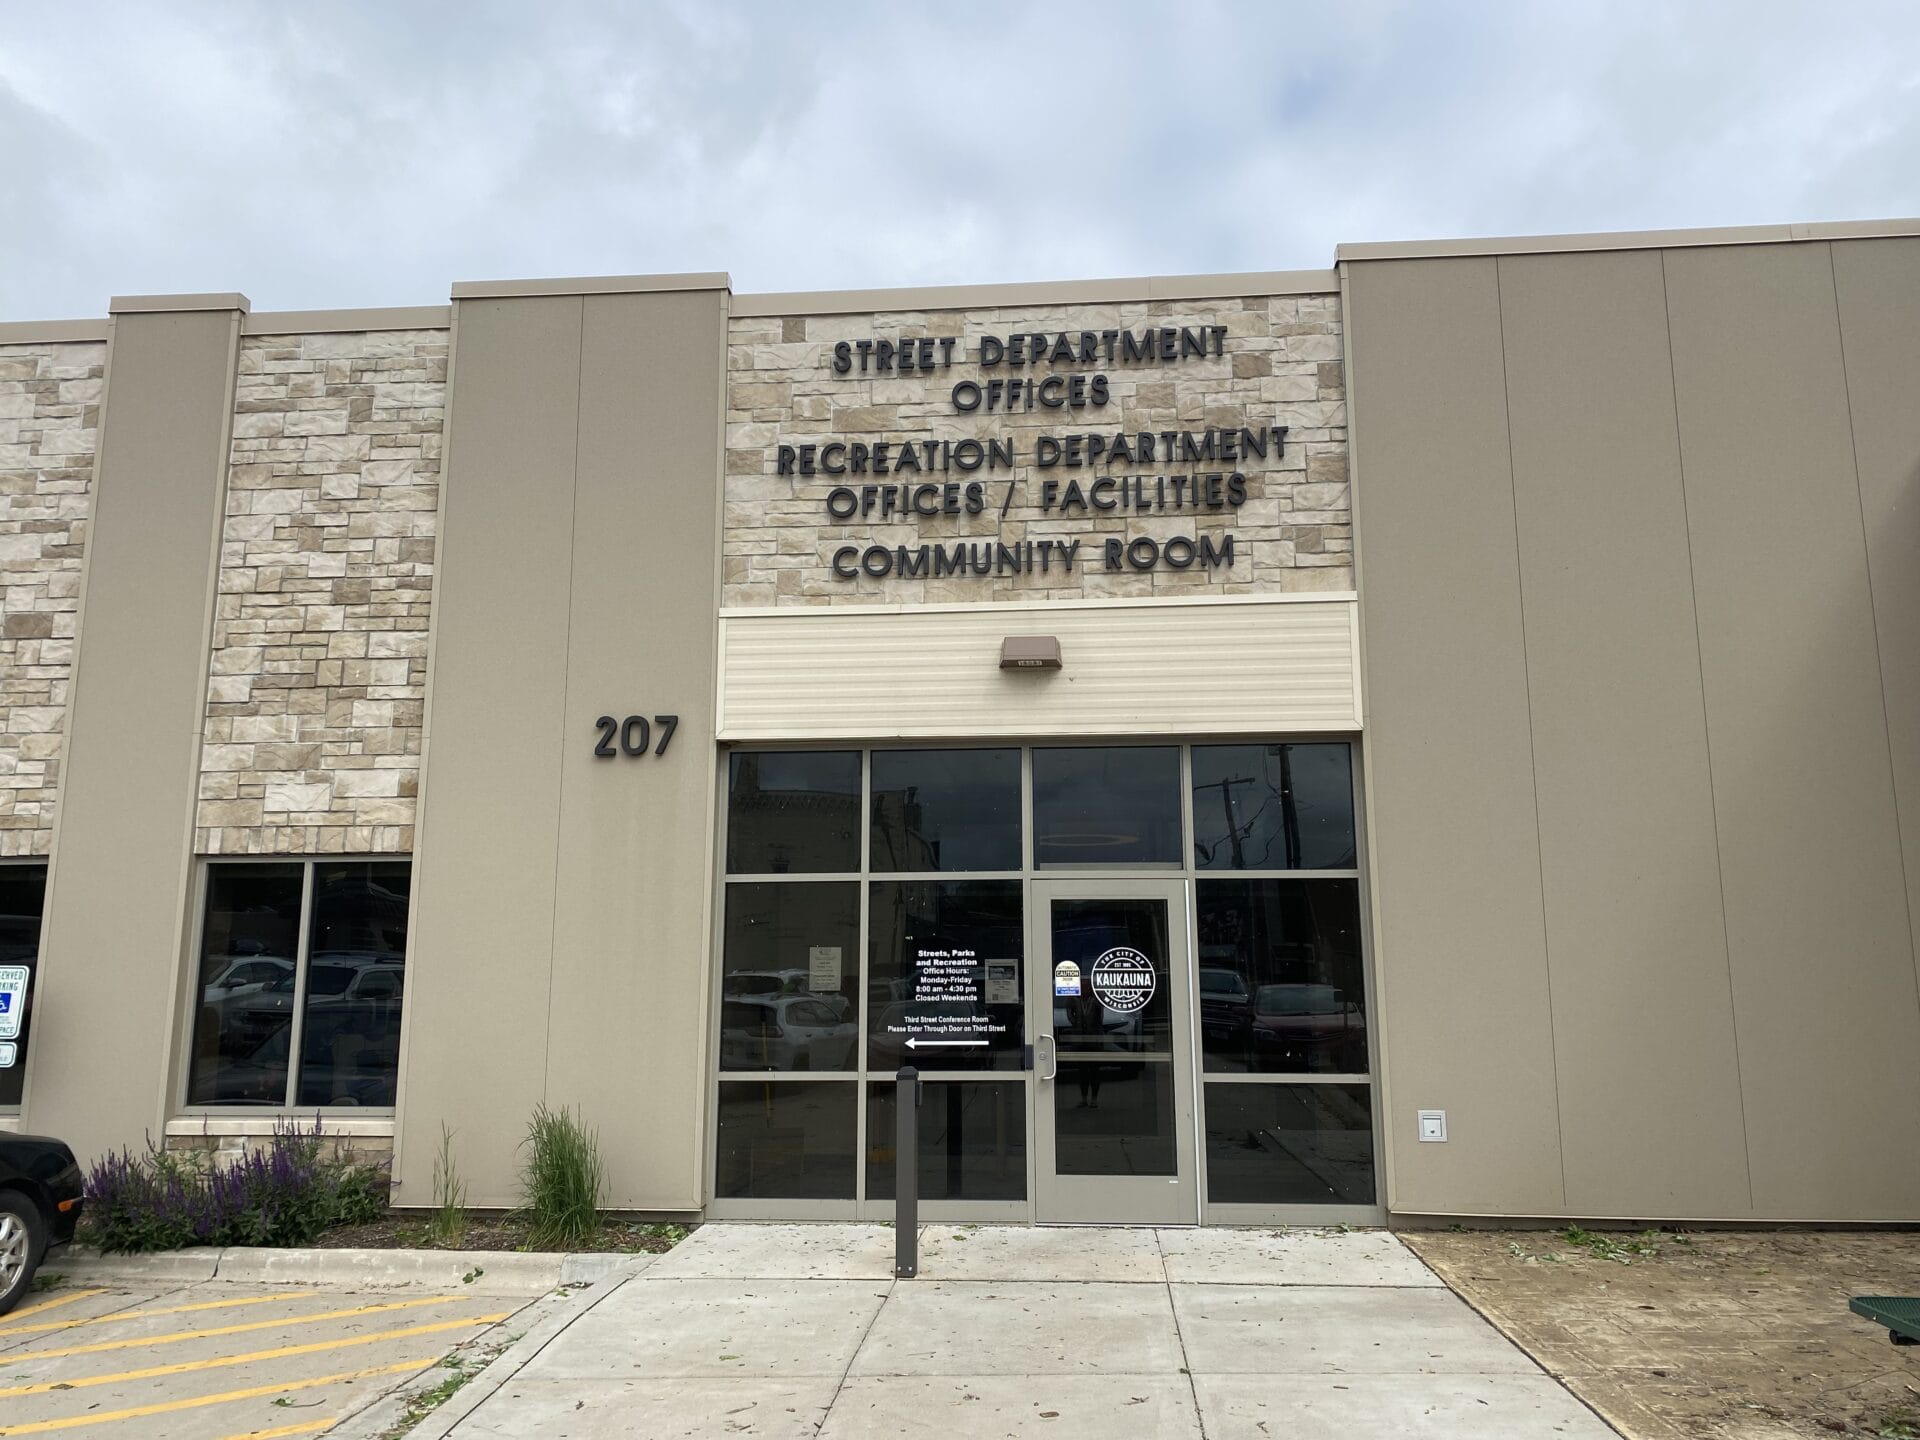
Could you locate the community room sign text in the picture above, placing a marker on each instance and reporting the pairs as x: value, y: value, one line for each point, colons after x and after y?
x: 1075, y: 473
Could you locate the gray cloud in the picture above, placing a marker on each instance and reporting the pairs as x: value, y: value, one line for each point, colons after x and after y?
x: 365, y: 153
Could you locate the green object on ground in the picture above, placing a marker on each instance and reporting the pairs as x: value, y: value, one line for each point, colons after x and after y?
x: 1899, y: 1313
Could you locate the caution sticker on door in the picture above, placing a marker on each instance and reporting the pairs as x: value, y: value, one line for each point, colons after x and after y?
x: 1122, y: 980
x: 1066, y: 978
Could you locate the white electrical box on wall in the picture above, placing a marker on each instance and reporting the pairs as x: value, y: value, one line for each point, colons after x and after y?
x: 1433, y: 1125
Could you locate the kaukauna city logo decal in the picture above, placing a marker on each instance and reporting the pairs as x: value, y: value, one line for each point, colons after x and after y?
x: 1123, y: 980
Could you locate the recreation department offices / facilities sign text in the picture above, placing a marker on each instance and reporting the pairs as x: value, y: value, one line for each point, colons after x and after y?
x: 923, y: 479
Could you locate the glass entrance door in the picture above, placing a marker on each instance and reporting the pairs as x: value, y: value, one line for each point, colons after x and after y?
x: 1113, y: 1072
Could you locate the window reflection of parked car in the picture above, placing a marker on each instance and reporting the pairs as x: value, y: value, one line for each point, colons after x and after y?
x: 1226, y: 1004
x: 1307, y: 1027
x: 783, y: 1032
x: 784, y: 982
x: 348, y: 992
x: 339, y: 1068
x: 244, y: 974
x: 366, y: 985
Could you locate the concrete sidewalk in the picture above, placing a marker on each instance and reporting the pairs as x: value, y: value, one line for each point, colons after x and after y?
x: 799, y: 1330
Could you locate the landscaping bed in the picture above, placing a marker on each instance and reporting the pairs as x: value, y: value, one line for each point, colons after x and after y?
x: 1709, y: 1335
x: 399, y: 1230
x: 294, y: 1190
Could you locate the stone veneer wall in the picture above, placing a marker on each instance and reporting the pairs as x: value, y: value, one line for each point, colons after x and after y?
x: 225, y: 1150
x: 1281, y: 366
x: 49, y: 430
x: 320, y: 635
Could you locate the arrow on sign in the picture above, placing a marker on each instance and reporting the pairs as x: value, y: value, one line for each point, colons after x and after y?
x: 914, y: 1042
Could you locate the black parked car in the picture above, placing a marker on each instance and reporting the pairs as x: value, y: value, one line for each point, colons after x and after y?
x: 40, y: 1192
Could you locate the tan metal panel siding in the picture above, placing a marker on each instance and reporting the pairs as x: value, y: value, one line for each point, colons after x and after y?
x: 113, y: 942
x: 483, y: 910
x: 1464, y: 1004
x: 1192, y: 669
x: 1642, y: 1003
x: 1824, y: 987
x: 624, y: 1031
x: 1878, y: 283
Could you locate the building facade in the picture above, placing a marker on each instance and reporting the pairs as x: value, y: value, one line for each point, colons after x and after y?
x: 1438, y: 736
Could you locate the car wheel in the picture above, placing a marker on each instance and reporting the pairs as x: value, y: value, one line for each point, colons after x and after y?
x: 23, y: 1239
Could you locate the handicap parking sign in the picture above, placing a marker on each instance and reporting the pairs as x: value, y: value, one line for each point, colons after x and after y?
x: 13, y: 999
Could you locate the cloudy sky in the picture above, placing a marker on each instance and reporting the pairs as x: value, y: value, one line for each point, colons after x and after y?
x: 333, y: 154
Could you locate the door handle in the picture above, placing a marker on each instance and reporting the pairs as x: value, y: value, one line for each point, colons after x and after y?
x: 1051, y: 1055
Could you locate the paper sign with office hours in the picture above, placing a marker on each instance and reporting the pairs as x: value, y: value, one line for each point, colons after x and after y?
x: 1066, y: 978
x: 13, y: 999
x: 823, y: 968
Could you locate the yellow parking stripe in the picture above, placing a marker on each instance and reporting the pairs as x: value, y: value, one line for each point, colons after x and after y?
x: 141, y: 1342
x: 307, y: 1429
x: 97, y: 1417
x: 251, y: 1357
x: 54, y: 1304
x: 45, y: 1326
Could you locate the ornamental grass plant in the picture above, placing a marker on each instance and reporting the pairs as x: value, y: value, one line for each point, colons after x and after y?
x: 286, y: 1194
x: 563, y: 1179
x: 447, y: 1226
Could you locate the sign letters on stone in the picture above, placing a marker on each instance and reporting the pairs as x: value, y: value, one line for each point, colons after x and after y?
x: 1196, y: 471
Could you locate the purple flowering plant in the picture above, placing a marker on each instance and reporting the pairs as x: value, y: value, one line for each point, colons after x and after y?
x: 285, y: 1194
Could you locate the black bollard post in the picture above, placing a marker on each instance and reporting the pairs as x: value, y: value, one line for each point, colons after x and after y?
x: 906, y: 1173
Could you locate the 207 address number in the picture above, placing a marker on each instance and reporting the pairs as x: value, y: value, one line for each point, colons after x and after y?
x: 633, y: 735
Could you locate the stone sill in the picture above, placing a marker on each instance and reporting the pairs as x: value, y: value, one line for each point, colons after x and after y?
x: 224, y: 1126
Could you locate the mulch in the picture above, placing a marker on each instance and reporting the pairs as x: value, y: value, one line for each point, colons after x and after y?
x: 498, y: 1232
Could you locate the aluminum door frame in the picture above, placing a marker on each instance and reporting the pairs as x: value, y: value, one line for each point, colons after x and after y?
x: 1112, y: 1199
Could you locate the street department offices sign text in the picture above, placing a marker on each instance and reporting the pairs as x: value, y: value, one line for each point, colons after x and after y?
x: 914, y: 479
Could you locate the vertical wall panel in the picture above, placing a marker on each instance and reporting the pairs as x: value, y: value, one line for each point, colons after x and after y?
x: 1642, y: 1005
x: 1816, y: 906
x: 1463, y: 977
x: 483, y: 908
x: 630, y: 953
x: 1878, y: 283
x: 111, y: 952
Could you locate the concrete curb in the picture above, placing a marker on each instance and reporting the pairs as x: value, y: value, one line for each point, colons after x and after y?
x: 539, y: 1324
x: 170, y: 1267
x: 474, y: 1272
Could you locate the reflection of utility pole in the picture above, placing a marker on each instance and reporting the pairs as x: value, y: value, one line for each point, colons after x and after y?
x: 1289, y: 812
x: 1226, y: 803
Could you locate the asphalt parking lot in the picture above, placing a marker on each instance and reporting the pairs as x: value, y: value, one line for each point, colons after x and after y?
x: 213, y: 1361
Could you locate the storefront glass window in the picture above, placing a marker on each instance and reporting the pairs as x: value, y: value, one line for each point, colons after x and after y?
x: 249, y: 969
x: 1282, y: 983
x: 23, y: 892
x: 945, y: 810
x: 356, y: 976
x: 790, y: 976
x: 1114, y: 1115
x: 792, y: 1141
x: 1273, y: 807
x: 972, y: 1140
x: 1289, y: 1145
x: 1106, y: 805
x: 793, y: 812
x: 264, y: 996
x: 880, y: 896
x: 946, y: 949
